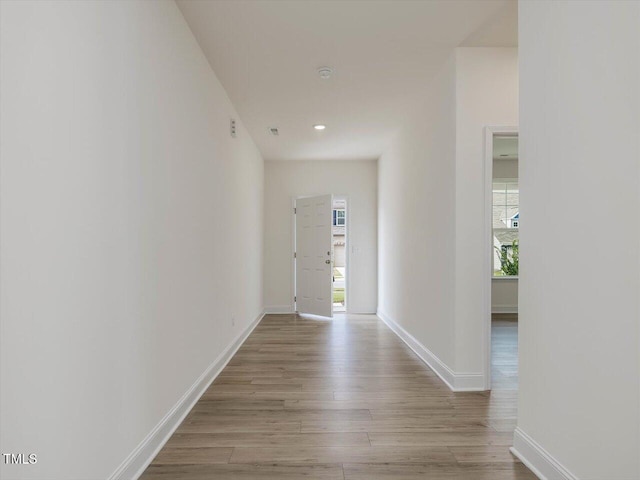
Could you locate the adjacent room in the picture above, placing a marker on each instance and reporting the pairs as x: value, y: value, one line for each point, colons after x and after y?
x: 505, y: 261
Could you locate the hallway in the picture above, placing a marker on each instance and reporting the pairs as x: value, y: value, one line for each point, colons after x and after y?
x: 342, y: 399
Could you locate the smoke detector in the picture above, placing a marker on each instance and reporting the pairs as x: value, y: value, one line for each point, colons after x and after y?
x: 325, y: 72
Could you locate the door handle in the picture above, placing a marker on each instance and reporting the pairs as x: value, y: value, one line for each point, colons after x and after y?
x: 327, y: 262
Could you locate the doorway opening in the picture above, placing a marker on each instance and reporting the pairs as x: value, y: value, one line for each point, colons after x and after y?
x: 339, y: 247
x: 319, y: 235
x: 502, y: 218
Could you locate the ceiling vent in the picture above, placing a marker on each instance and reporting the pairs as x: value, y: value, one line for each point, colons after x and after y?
x: 274, y: 131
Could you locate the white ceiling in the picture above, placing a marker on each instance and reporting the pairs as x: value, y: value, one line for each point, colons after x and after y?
x: 266, y: 54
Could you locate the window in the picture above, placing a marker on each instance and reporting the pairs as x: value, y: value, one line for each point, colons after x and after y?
x: 339, y: 217
x: 506, y: 221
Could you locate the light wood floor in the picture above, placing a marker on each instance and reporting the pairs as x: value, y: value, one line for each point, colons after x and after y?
x: 342, y: 399
x: 504, y: 352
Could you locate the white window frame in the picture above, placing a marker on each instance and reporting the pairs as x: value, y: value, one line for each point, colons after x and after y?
x: 509, y: 222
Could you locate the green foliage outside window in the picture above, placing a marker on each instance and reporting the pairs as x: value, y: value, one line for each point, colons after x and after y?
x: 509, y: 259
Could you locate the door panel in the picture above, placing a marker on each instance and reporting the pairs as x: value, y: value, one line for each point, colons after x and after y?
x: 314, y: 288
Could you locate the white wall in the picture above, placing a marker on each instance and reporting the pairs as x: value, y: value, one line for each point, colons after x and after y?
x: 289, y: 179
x: 579, y: 351
x: 131, y: 228
x: 505, y: 168
x: 504, y: 295
x: 416, y: 207
x: 486, y: 95
x: 431, y: 184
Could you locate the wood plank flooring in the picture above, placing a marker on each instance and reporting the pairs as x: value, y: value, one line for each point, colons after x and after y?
x: 342, y: 399
x: 504, y: 351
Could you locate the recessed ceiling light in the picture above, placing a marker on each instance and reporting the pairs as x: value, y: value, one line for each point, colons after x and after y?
x: 325, y: 72
x: 319, y: 127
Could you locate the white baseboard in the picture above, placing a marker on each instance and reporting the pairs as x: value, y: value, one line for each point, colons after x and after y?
x: 537, y: 459
x: 136, y: 463
x: 504, y: 309
x: 361, y: 310
x: 283, y: 309
x: 458, y: 382
x: 279, y: 309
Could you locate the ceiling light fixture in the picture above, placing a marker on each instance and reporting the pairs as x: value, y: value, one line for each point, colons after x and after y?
x: 325, y: 72
x: 319, y: 127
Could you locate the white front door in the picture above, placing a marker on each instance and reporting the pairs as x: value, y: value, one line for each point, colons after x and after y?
x: 314, y: 274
